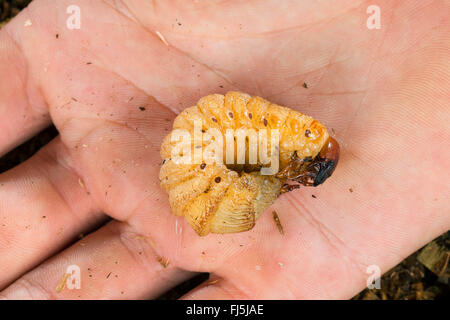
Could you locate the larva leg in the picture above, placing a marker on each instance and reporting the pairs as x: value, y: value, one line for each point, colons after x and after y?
x: 289, y: 187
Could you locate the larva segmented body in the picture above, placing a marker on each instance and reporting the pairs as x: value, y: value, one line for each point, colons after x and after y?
x: 228, y: 197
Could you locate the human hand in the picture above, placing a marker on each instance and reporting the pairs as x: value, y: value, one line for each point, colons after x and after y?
x: 112, y: 89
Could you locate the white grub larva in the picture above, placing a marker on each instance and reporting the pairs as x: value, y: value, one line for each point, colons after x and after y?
x: 224, y: 197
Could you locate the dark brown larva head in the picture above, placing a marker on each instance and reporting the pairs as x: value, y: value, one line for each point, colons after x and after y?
x: 324, y: 164
x: 313, y: 172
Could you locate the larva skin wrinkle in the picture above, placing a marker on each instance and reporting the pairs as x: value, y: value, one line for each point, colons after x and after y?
x: 228, y: 198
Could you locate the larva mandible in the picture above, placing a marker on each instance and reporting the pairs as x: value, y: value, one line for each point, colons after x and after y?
x: 227, y: 198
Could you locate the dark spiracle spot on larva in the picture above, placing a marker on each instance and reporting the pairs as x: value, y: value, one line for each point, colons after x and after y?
x: 217, y: 179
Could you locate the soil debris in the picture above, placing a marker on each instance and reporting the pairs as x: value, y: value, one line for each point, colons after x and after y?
x: 62, y: 282
x: 278, y: 222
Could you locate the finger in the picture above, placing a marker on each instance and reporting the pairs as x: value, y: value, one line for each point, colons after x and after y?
x: 23, y: 110
x: 114, y: 262
x: 43, y: 207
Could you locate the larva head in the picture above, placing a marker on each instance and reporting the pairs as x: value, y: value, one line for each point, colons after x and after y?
x: 324, y: 164
x: 313, y: 172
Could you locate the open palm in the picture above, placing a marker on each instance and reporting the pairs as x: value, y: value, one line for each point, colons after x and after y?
x: 113, y: 87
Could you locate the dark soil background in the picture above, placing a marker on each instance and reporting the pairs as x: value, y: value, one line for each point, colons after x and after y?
x: 423, y: 275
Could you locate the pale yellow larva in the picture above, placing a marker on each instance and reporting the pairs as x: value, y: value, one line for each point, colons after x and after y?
x: 224, y: 197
